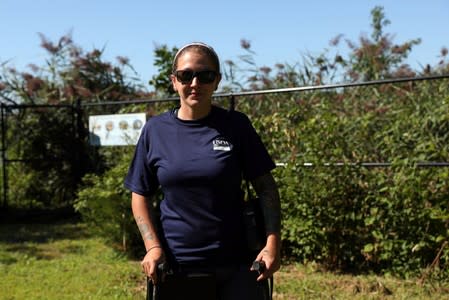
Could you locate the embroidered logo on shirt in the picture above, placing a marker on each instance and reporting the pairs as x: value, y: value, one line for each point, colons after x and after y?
x: 221, y: 144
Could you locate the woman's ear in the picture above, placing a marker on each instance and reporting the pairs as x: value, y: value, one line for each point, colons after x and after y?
x: 218, y: 81
x: 173, y: 82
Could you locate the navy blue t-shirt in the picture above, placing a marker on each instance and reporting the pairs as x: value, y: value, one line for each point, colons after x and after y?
x: 199, y: 166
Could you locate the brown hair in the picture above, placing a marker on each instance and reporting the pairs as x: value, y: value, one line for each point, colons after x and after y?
x: 201, y: 48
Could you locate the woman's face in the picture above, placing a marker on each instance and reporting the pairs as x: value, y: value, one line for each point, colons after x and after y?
x: 195, y: 94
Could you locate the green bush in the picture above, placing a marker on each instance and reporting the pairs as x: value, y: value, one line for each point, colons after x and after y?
x: 350, y: 217
x: 105, y: 205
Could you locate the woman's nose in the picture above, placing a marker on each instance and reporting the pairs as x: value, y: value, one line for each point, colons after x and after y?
x: 195, y: 81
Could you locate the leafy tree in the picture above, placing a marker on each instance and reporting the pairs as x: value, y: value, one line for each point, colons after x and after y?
x: 163, y: 61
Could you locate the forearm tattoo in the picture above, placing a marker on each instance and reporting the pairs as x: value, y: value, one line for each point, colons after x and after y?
x: 267, y: 191
x: 144, y: 229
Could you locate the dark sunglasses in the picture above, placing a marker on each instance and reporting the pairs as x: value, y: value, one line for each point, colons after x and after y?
x: 186, y: 76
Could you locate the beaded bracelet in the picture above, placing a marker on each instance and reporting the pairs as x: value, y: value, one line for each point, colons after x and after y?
x: 152, y: 247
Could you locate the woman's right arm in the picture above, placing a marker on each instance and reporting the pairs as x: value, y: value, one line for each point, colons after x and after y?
x: 155, y: 254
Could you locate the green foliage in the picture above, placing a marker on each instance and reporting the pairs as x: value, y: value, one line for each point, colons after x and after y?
x: 105, y: 205
x: 163, y: 61
x: 379, y: 58
x: 375, y: 58
x: 351, y: 217
x: 50, y: 157
x: 49, y: 141
x: 70, y: 74
x: 335, y: 211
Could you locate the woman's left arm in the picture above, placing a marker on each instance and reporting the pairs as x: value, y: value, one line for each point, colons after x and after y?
x: 267, y: 191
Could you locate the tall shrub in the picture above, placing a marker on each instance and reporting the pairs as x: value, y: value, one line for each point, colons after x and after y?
x: 50, y: 144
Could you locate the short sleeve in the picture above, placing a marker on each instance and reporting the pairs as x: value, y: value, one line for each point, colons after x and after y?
x: 256, y: 160
x: 141, y: 177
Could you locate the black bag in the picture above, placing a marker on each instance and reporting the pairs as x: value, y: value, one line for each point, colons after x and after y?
x: 254, y: 223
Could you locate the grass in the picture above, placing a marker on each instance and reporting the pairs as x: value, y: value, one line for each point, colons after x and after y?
x: 62, y: 261
x: 296, y: 281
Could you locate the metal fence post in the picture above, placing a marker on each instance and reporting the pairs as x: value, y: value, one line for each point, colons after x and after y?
x: 232, y: 103
x: 4, y: 159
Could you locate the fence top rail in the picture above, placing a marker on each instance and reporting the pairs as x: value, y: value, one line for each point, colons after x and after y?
x: 334, y: 86
x: 21, y: 106
x: 281, y: 90
x: 238, y: 94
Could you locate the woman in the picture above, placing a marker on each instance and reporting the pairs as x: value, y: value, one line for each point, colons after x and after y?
x: 197, y: 153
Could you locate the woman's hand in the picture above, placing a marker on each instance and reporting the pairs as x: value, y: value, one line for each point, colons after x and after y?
x: 271, y: 257
x: 155, y: 254
x: 151, y: 261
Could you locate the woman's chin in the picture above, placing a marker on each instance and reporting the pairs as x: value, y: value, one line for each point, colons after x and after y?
x: 196, y: 101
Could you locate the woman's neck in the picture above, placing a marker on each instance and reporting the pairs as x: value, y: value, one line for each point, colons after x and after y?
x: 188, y: 113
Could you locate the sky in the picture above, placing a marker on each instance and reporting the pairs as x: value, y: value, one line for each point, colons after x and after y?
x: 279, y: 31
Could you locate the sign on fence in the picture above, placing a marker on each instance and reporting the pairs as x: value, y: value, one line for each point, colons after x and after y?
x: 115, y: 130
